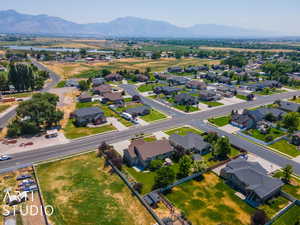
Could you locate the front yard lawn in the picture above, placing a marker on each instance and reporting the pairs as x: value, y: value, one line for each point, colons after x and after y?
x: 290, y: 217
x: 274, y: 205
x: 185, y: 108
x: 256, y: 134
x: 210, y: 161
x: 61, y: 84
x: 153, y: 116
x: 210, y: 201
x: 148, y: 87
x: 220, y: 121
x: 270, y: 92
x: 293, y: 188
x: 243, y: 97
x: 72, y: 132
x: 285, y: 147
x: 212, y: 104
x: 83, y: 191
x: 183, y: 131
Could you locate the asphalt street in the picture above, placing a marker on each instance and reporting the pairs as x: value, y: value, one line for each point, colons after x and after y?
x: 91, y: 142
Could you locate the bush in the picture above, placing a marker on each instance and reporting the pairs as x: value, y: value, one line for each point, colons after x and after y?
x: 155, y: 164
x: 269, y: 138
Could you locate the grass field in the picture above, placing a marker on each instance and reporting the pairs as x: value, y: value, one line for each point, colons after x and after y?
x: 212, y: 104
x: 183, y: 131
x: 243, y: 97
x: 75, y: 69
x: 147, y: 87
x: 293, y: 188
x: 285, y: 147
x: 290, y: 217
x: 256, y: 133
x: 220, y: 121
x: 83, y: 192
x: 153, y: 116
x: 273, y: 206
x: 210, y: 201
x: 61, y: 84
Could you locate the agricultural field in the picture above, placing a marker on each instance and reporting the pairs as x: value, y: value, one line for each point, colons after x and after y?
x: 210, y: 201
x: 85, y: 192
x: 245, y: 50
x: 84, y: 70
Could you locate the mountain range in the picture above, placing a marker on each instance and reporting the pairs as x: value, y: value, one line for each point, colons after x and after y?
x: 14, y: 22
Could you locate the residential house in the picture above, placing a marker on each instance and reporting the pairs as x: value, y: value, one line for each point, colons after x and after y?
x: 265, y: 84
x: 142, y: 78
x: 71, y: 83
x: 194, y: 84
x: 190, y: 143
x: 251, y: 179
x: 175, y: 69
x: 114, y: 77
x: 140, y: 153
x: 139, y: 111
x: 223, y: 79
x: 225, y: 91
x: 186, y: 99
x: 296, y: 139
x: 161, y: 76
x: 177, y: 80
x: 88, y: 115
x: 98, y: 81
x: 242, y: 121
x: 113, y: 97
x: 289, y: 106
x: 102, y: 89
x: 208, y: 95
x: 166, y: 90
x: 85, y: 97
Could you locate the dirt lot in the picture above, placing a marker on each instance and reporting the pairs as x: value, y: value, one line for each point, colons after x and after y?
x: 71, y: 69
x: 83, y: 191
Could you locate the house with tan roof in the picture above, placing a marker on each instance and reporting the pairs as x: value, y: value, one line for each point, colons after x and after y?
x: 140, y: 153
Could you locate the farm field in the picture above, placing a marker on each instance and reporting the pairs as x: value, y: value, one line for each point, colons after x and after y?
x: 67, y: 70
x: 81, y: 188
x: 210, y: 201
x: 246, y: 50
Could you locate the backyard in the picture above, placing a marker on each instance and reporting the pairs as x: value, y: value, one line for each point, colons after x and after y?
x: 210, y: 201
x: 82, y: 190
x: 285, y: 147
x: 220, y: 121
x: 293, y: 188
x: 273, y: 206
x: 290, y: 217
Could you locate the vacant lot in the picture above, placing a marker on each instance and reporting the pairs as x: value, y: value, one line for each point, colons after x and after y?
x: 80, y: 69
x: 210, y: 201
x: 83, y: 192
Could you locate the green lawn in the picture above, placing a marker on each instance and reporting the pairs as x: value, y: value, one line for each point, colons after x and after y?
x: 210, y: 161
x: 210, y: 202
x: 243, y: 97
x: 256, y: 133
x: 148, y: 87
x: 150, y: 138
x: 153, y: 116
x: 185, y: 109
x: 293, y: 188
x: 212, y: 104
x: 270, y: 92
x: 61, y: 84
x: 72, y: 132
x: 285, y: 147
x: 220, y: 121
x: 183, y: 131
x: 274, y: 205
x: 4, y: 107
x: 290, y: 217
x: 83, y: 191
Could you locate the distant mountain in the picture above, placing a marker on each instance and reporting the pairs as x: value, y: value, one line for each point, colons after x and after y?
x: 14, y: 22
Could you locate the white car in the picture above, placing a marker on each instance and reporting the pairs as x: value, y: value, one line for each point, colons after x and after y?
x: 4, y: 157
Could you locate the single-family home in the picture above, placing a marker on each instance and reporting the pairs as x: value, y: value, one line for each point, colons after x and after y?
x: 186, y: 99
x: 175, y: 69
x: 289, y: 106
x: 140, y: 153
x: 251, y: 179
x: 98, y: 81
x: 177, y: 80
x: 296, y: 139
x: 190, y: 143
x: 71, y: 83
x: 166, y: 90
x: 113, y: 97
x: 139, y: 111
x: 242, y: 121
x: 103, y: 88
x: 113, y: 77
x: 85, y: 97
x: 208, y: 95
x: 88, y: 115
x: 142, y: 78
x: 194, y: 84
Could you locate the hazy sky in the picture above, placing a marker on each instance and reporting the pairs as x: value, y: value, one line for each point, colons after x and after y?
x: 273, y: 15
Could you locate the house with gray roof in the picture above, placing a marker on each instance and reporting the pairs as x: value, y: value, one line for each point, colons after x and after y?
x: 88, y: 115
x: 178, y: 80
x: 191, y: 143
x: 98, y: 81
x: 251, y: 179
x: 71, y: 83
x: 289, y: 106
x: 166, y: 90
x: 208, y: 95
x: 175, y: 69
x: 139, y: 111
x: 186, y: 99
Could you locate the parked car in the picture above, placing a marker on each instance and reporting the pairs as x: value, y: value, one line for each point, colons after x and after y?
x: 4, y: 157
x: 24, y: 176
x: 30, y: 188
x: 26, y: 182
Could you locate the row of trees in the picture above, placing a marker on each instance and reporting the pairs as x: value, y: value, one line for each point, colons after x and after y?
x: 23, y: 77
x: 35, y: 115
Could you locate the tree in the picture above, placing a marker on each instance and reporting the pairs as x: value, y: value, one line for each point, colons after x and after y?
x: 83, y: 85
x: 199, y: 166
x: 287, y: 173
x: 238, y: 61
x: 138, y: 187
x: 82, y: 52
x: 185, y: 165
x: 270, y: 117
x: 291, y: 122
x: 211, y: 137
x: 178, y: 153
x: 164, y: 177
x: 155, y: 164
x: 136, y: 98
x: 259, y: 218
x: 222, y: 148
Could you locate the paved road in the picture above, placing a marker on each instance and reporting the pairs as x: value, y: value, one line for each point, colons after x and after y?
x: 91, y: 142
x: 54, y: 80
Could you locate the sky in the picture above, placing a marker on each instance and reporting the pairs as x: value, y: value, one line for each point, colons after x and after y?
x: 268, y: 15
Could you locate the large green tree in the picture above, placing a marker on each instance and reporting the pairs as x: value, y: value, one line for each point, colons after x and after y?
x: 164, y: 177
x: 222, y: 147
x: 185, y: 164
x: 291, y: 122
